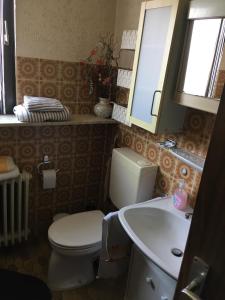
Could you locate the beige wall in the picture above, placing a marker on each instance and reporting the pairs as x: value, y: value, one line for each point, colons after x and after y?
x: 61, y: 29
x: 127, y: 17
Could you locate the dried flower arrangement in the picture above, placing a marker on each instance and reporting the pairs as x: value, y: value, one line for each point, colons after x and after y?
x: 100, y: 67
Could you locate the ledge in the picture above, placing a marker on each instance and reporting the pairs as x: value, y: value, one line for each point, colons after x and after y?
x: 11, y: 120
x: 190, y: 159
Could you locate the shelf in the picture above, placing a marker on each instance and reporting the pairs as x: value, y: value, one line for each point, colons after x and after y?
x: 190, y: 159
x: 126, y: 49
x: 11, y: 120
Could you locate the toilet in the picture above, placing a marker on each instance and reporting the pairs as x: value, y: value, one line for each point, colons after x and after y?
x: 76, y: 239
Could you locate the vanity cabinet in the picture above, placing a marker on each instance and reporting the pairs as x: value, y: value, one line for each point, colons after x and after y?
x: 146, y: 281
x: 156, y: 64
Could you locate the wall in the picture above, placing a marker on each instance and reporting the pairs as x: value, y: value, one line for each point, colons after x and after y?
x: 80, y: 152
x: 194, y: 138
x: 51, y: 39
x: 56, y: 79
x: 64, y: 30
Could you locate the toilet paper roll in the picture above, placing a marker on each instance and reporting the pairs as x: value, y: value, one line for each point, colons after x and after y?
x: 49, y: 179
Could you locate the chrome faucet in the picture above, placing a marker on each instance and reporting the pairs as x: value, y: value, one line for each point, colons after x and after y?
x: 188, y: 215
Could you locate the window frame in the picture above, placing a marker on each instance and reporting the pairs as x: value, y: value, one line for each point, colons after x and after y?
x: 7, y: 52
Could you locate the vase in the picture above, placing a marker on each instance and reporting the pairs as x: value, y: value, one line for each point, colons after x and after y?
x: 103, y: 109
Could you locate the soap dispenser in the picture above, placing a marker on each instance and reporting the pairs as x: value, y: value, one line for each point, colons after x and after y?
x: 180, y: 196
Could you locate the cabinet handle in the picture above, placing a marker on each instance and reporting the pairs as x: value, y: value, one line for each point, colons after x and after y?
x: 153, y: 100
x: 6, y: 34
x: 150, y: 281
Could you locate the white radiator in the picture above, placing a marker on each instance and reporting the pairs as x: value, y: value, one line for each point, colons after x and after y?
x: 14, y: 200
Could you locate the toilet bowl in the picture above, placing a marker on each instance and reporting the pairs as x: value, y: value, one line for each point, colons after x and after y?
x: 76, y: 244
x: 76, y: 239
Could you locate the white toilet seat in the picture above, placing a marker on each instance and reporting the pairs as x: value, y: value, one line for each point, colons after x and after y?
x: 80, y: 232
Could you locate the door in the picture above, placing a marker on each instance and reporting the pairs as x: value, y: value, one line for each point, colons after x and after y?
x: 207, y: 233
x: 155, y: 31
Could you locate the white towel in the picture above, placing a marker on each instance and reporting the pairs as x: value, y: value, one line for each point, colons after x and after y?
x: 114, y: 257
x: 9, y: 175
x: 24, y: 115
x: 35, y: 104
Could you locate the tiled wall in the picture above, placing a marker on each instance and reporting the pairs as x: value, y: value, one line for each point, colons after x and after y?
x: 195, y: 138
x: 220, y: 84
x: 80, y: 152
x: 56, y: 79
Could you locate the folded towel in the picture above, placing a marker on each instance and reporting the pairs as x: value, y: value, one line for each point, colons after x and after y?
x: 24, y: 115
x: 9, y: 175
x: 35, y: 104
x: 6, y: 164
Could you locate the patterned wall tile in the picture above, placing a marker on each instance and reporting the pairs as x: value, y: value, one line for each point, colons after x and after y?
x: 49, y: 70
x: 69, y: 71
x: 153, y: 152
x: 68, y: 92
x: 8, y: 134
x: 66, y: 81
x: 28, y: 68
x: 219, y: 84
x: 195, y: 138
x: 139, y: 146
x: 81, y: 162
x: 69, y: 149
x: 84, y: 108
x: 167, y: 162
x: 26, y: 87
x: 49, y: 89
x: 79, y: 178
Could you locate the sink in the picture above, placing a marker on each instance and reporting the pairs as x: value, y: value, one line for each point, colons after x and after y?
x: 157, y: 228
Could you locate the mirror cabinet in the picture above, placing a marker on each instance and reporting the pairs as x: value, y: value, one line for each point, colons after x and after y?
x: 161, y: 32
x: 202, y: 72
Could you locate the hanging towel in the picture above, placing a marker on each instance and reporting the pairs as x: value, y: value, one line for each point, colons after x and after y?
x: 9, y: 175
x: 24, y: 115
x: 37, y: 104
x: 114, y: 257
x: 6, y: 164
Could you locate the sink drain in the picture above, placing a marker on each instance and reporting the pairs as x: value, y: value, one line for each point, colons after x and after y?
x: 177, y: 252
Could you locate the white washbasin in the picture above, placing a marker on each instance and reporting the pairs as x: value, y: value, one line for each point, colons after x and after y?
x: 156, y: 227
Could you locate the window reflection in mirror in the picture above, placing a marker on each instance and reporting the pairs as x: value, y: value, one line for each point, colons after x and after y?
x: 204, y: 74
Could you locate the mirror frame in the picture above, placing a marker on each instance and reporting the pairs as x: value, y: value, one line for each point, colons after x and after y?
x: 199, y: 9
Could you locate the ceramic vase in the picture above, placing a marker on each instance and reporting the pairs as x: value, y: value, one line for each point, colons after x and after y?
x: 103, y: 109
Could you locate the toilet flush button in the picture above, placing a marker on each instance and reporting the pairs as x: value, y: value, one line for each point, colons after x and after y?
x: 143, y: 163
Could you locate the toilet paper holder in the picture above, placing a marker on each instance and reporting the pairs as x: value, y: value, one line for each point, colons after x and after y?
x: 45, y: 162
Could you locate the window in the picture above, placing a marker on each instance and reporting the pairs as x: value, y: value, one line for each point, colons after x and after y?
x: 7, y: 57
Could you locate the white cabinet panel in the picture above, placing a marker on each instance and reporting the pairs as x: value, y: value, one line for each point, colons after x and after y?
x: 146, y: 281
x: 152, y: 50
x: 156, y: 63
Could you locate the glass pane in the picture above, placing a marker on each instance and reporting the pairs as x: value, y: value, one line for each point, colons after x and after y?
x: 150, y: 61
x: 202, y: 49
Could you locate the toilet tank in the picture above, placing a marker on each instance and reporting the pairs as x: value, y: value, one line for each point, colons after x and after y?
x: 132, y: 178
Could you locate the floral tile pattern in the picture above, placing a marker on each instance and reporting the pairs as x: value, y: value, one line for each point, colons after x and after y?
x: 195, y: 138
x: 65, y: 81
x: 78, y: 151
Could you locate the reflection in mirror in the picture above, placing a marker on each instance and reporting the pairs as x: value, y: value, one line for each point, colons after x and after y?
x: 204, y: 74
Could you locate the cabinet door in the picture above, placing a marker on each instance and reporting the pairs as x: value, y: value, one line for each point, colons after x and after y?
x: 146, y: 281
x: 155, y: 32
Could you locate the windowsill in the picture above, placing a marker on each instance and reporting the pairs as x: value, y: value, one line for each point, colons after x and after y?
x: 11, y: 120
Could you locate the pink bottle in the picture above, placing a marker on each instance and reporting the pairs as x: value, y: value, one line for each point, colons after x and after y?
x: 180, y: 196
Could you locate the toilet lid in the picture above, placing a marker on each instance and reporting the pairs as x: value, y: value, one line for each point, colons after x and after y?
x: 77, y: 230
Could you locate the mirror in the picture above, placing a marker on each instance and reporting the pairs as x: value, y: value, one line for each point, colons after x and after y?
x: 203, y: 71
